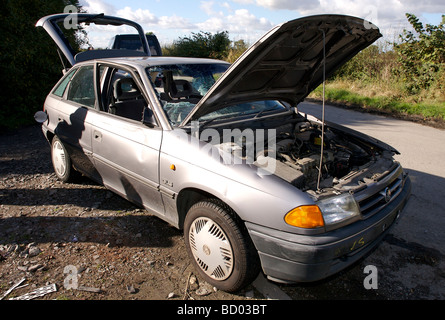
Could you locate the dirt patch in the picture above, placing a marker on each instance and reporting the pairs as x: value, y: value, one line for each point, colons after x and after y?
x: 117, y: 251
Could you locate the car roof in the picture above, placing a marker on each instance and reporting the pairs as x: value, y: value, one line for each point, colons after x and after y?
x: 155, y: 61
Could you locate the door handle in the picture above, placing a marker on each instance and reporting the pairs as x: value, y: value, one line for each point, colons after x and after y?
x: 98, y: 136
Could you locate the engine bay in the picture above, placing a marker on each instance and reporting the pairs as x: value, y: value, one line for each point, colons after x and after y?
x: 348, y: 163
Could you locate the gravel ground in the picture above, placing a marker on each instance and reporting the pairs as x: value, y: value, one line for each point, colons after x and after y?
x: 117, y: 251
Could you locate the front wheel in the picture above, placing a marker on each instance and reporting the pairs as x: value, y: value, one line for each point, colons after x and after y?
x: 220, y: 249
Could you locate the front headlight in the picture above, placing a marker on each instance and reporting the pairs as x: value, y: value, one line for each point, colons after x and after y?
x: 339, y: 210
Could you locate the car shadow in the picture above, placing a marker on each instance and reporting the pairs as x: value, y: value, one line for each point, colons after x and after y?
x: 37, y: 208
x: 81, y: 211
x: 127, y: 230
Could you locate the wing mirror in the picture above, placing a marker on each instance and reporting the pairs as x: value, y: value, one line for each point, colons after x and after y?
x: 148, y: 118
x: 40, y: 116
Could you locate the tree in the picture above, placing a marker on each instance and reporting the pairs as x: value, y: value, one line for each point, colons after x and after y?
x: 421, y: 53
x: 202, y: 45
x: 236, y: 50
x: 29, y: 63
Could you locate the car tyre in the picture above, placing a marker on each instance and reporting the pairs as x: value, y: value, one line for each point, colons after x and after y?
x: 219, y: 246
x: 61, y: 161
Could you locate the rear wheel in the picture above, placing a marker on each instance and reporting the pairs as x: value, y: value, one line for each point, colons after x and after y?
x: 61, y: 161
x: 220, y: 248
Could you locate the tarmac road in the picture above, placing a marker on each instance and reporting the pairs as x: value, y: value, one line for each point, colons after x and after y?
x: 410, y: 261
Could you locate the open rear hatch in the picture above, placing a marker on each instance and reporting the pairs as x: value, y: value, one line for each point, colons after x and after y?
x: 61, y: 27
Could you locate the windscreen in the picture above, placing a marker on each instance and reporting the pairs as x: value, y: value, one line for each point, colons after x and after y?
x: 180, y: 87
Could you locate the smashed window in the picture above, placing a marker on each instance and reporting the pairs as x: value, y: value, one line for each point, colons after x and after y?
x: 180, y: 87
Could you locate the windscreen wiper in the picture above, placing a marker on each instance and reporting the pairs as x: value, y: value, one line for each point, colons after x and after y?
x: 264, y: 110
x: 206, y: 123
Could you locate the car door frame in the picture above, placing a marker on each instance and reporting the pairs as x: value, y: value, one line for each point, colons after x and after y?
x: 127, y: 174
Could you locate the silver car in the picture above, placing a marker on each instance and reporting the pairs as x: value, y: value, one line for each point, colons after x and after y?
x: 221, y: 151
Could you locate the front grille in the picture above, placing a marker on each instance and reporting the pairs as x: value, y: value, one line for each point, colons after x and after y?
x: 377, y: 197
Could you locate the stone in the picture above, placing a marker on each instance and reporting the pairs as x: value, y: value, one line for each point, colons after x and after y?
x: 193, y: 283
x: 131, y: 289
x: 22, y: 268
x: 35, y: 267
x: 89, y: 289
x: 33, y: 251
x: 202, y: 292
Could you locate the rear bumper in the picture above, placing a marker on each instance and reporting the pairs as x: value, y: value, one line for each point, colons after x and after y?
x: 288, y: 258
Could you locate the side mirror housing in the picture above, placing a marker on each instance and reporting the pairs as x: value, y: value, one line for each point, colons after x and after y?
x: 148, y: 118
x: 40, y: 117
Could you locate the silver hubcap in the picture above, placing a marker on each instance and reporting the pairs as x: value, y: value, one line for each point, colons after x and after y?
x: 59, y: 159
x: 211, y: 248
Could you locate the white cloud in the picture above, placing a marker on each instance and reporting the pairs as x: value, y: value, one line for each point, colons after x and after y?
x: 227, y: 6
x: 175, y: 22
x: 97, y: 6
x: 354, y: 5
x: 207, y: 7
x: 288, y: 4
x: 243, y: 20
x: 240, y: 24
x: 245, y: 23
x: 381, y: 12
x: 141, y: 16
x: 244, y: 1
x: 213, y: 24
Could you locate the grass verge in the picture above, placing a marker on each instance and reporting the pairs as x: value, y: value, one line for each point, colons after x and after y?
x: 393, y: 105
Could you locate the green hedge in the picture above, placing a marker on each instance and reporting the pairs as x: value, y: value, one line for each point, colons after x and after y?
x: 29, y: 63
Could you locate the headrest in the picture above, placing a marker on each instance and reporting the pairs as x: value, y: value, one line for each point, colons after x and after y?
x: 181, y: 89
x: 126, y: 89
x: 176, y: 88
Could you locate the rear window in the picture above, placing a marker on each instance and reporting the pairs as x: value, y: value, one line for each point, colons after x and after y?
x: 81, y: 89
x: 60, y: 89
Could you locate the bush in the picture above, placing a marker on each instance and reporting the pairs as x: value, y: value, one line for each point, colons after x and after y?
x: 421, y: 54
x: 413, y: 69
x: 370, y: 64
x: 236, y: 50
x: 407, y: 79
x: 201, y: 45
x: 29, y: 63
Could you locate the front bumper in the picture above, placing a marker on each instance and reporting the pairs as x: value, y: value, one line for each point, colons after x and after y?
x: 288, y: 258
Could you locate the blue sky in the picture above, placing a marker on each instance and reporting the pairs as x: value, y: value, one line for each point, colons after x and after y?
x: 249, y: 19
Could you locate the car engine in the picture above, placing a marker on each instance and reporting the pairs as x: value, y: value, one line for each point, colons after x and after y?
x: 348, y: 162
